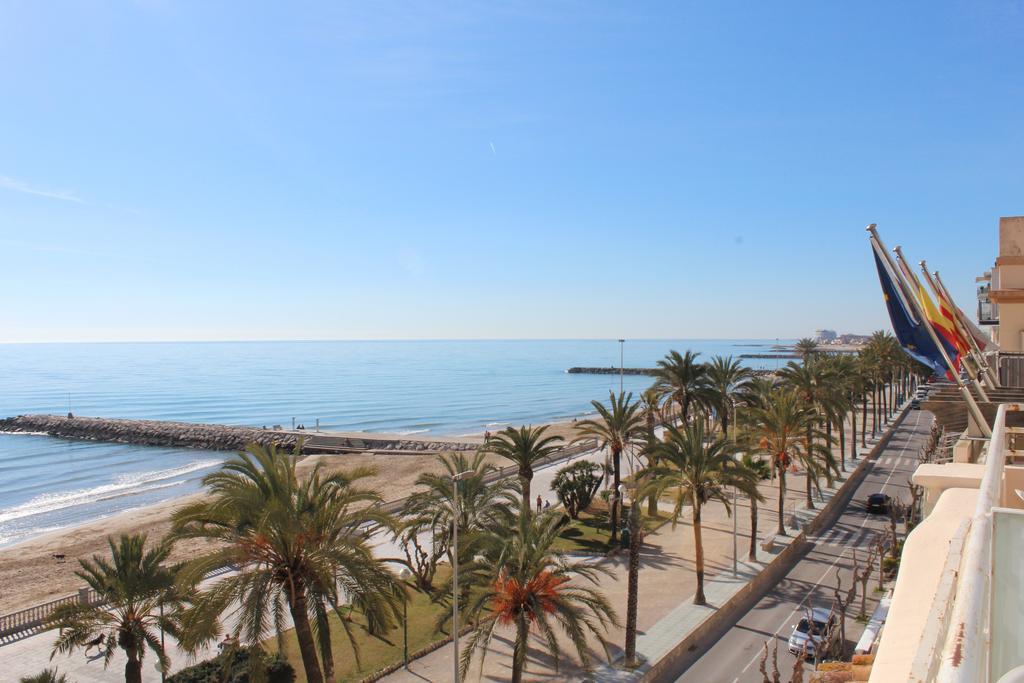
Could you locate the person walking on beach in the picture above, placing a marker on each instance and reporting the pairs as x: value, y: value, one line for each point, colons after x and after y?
x: 539, y: 503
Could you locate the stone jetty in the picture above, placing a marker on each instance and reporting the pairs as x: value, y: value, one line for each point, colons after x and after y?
x: 213, y: 437
x: 611, y: 371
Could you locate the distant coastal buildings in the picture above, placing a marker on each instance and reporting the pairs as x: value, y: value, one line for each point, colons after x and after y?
x: 829, y: 337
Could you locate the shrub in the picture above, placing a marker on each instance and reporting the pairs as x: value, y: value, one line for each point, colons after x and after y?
x: 575, y: 486
x: 46, y: 676
x: 235, y: 667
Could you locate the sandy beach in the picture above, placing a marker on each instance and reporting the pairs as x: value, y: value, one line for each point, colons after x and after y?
x: 30, y: 574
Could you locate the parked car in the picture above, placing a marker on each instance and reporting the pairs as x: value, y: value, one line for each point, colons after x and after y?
x: 878, y: 502
x: 816, y: 625
x: 915, y: 403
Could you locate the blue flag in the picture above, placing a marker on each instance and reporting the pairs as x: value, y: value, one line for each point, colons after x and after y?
x: 909, y: 331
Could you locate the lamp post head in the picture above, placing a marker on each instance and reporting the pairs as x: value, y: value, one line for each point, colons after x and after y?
x: 463, y: 475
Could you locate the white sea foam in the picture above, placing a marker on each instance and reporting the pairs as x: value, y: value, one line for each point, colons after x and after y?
x: 410, y: 432
x: 25, y: 433
x: 125, y: 485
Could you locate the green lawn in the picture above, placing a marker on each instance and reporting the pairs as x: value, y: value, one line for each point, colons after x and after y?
x: 375, y: 652
x: 591, y: 531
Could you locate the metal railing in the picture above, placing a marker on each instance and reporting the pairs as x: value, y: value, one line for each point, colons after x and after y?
x: 965, y: 653
x: 33, y: 618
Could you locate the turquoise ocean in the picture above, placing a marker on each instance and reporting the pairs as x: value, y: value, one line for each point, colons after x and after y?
x: 443, y: 388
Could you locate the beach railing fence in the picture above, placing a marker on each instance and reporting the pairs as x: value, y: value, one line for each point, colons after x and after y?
x: 34, y: 618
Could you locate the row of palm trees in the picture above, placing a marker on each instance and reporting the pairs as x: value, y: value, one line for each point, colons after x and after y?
x: 293, y: 551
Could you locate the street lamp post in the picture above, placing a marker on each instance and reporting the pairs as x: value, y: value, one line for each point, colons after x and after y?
x: 404, y: 576
x: 455, y: 568
x: 735, y: 551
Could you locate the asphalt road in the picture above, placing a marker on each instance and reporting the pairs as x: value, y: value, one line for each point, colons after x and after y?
x: 811, y: 582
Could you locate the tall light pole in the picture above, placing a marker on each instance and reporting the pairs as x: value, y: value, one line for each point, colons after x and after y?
x: 735, y: 571
x: 404, y: 576
x: 622, y: 367
x: 455, y: 567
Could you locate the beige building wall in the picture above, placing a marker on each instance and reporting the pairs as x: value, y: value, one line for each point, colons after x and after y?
x: 1008, y: 284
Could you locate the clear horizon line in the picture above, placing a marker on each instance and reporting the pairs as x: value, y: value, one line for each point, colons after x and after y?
x: 382, y: 339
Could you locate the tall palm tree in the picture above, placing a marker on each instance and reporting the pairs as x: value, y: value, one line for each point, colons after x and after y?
x: 698, y: 470
x: 759, y: 471
x: 727, y: 384
x: 430, y: 510
x: 653, y: 416
x: 811, y: 383
x: 778, y: 427
x: 136, y: 599
x: 683, y: 381
x: 524, y: 583
x: 616, y: 427
x: 525, y: 447
x: 807, y: 349
x: 297, y: 547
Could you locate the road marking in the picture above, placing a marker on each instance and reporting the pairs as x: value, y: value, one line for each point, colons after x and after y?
x: 817, y: 583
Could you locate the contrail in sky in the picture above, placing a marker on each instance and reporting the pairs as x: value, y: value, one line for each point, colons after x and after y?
x: 493, y: 151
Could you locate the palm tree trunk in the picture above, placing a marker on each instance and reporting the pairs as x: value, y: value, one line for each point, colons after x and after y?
x: 524, y: 481
x: 698, y: 598
x: 616, y: 503
x: 133, y: 667
x: 842, y: 446
x: 304, y: 634
x: 807, y: 444
x: 864, y: 421
x: 519, y: 649
x: 752, y: 555
x: 853, y: 431
x: 810, y: 501
x: 633, y: 581
x: 782, y: 501
x: 328, y: 659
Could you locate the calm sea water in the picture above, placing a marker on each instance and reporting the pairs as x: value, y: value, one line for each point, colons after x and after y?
x: 410, y: 387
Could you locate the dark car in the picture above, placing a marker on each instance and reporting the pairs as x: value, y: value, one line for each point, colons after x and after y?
x: 915, y: 403
x: 878, y: 502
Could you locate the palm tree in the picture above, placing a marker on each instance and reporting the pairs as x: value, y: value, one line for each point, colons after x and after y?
x: 136, y: 599
x: 807, y: 349
x: 697, y: 471
x: 297, y: 547
x: 727, y: 383
x: 810, y: 381
x: 616, y: 427
x: 430, y: 510
x: 525, y: 447
x: 778, y: 427
x: 682, y: 380
x: 760, y: 471
x: 653, y: 415
x: 523, y: 582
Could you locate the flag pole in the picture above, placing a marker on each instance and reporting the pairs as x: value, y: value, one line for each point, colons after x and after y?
x: 978, y: 375
x: 972, y: 406
x: 917, y: 283
x: 993, y: 378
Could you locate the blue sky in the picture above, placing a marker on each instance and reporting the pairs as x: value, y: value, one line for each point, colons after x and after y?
x: 474, y: 170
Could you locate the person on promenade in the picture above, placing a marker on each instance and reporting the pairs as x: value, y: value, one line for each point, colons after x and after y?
x: 539, y: 503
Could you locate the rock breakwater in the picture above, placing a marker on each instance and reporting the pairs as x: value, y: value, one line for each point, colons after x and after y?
x: 212, y: 437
